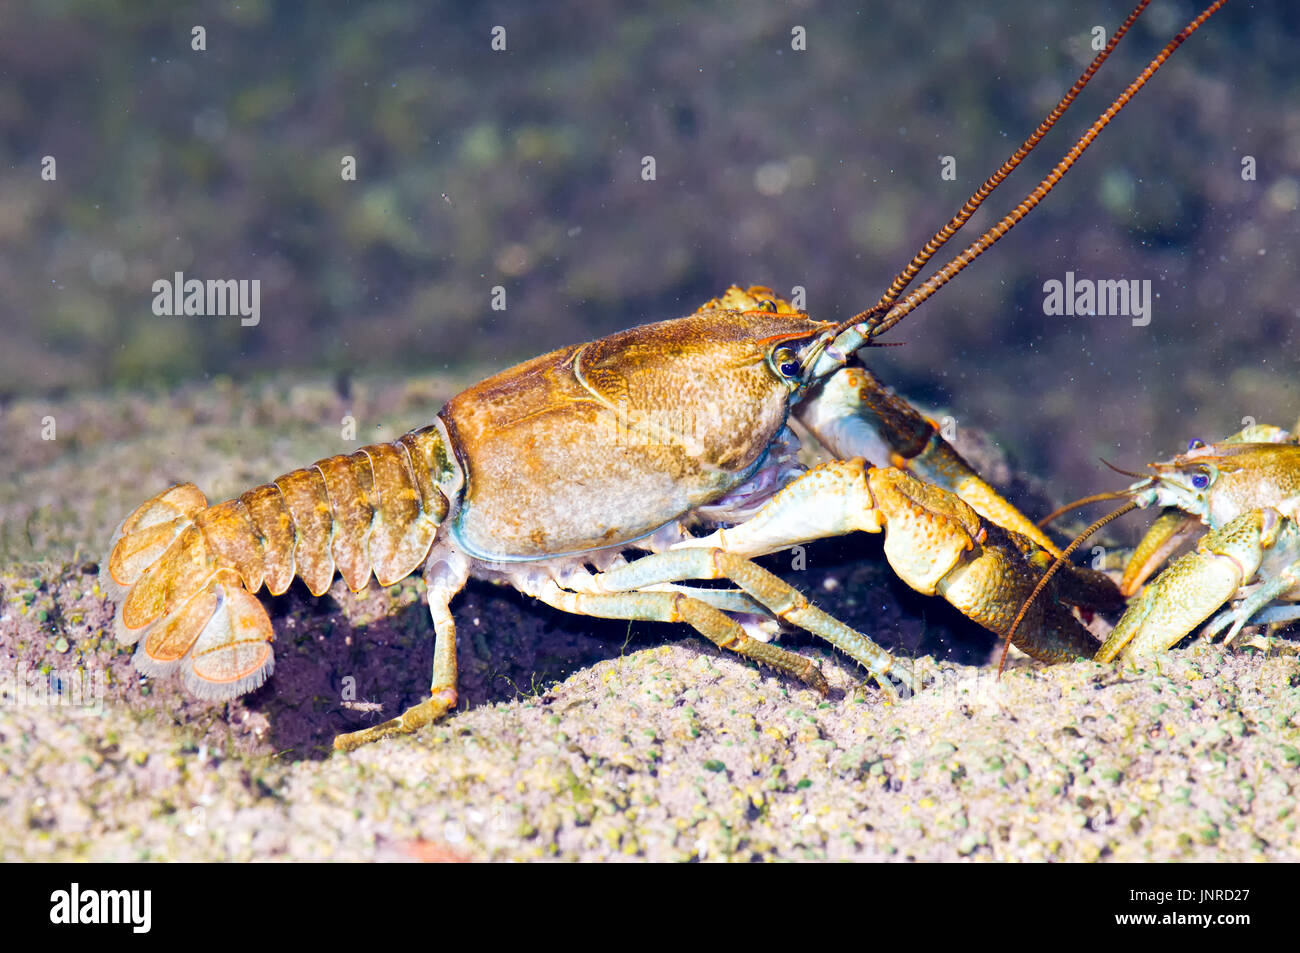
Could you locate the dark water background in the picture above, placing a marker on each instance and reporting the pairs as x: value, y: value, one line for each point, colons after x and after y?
x: 523, y: 169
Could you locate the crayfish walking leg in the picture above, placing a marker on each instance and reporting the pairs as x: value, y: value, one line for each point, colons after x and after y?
x: 934, y: 541
x: 771, y: 592
x: 716, y: 626
x: 446, y: 571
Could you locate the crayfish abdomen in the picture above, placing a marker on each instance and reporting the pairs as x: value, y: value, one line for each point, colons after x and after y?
x: 184, y: 572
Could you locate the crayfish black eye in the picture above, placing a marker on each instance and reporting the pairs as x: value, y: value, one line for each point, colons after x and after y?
x: 1195, y: 444
x: 1200, y: 480
x: 786, y: 363
x: 767, y: 304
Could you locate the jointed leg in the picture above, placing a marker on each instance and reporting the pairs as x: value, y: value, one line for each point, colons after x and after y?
x: 854, y: 415
x: 714, y: 625
x: 728, y: 600
x: 773, y: 593
x: 1252, y: 608
x: 445, y: 574
x: 936, y: 543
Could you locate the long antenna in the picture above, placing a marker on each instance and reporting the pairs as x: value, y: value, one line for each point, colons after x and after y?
x: 904, y: 277
x: 1047, y: 576
x: 878, y: 323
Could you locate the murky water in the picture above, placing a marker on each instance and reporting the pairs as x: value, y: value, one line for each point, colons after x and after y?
x: 525, y: 170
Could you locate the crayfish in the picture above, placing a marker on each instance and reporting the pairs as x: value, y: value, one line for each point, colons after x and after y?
x: 684, y: 423
x: 1246, y: 490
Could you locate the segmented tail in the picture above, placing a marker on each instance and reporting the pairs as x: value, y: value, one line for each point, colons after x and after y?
x: 183, y: 573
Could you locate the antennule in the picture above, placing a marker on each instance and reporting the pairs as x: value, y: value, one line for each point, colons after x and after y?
x: 1128, y: 473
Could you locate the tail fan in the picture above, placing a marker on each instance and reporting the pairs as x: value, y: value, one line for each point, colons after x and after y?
x: 182, y: 605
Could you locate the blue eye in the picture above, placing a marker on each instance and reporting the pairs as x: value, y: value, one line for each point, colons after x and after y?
x: 1195, y: 445
x: 790, y: 368
x: 1200, y: 481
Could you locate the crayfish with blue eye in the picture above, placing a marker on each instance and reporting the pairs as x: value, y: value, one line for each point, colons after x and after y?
x: 1246, y: 490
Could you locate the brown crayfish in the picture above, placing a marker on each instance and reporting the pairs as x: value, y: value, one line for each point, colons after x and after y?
x: 684, y: 423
